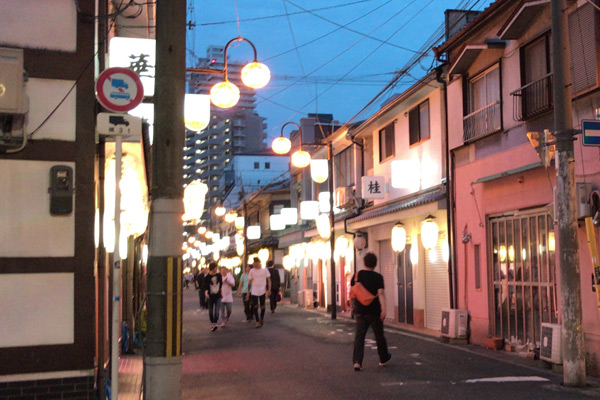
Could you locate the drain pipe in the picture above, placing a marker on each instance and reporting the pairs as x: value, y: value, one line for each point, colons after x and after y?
x: 449, y: 195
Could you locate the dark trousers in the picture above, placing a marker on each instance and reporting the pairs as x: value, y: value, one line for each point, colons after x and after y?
x: 273, y: 299
x: 254, y: 300
x: 214, y: 306
x: 247, y: 307
x: 362, y: 325
x: 202, y: 299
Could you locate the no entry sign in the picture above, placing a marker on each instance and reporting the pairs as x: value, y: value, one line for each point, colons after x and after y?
x: 119, y: 89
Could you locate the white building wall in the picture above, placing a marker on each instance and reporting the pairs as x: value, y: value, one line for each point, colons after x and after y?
x: 61, y: 125
x: 52, y: 24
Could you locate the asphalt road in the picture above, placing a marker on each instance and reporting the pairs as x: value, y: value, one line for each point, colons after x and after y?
x: 300, y: 354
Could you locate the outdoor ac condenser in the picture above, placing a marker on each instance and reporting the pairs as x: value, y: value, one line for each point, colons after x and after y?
x: 454, y: 323
x: 550, y: 343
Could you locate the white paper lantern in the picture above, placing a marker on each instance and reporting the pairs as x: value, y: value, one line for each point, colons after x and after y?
x: 276, y: 222
x: 398, y: 238
x: 239, y: 222
x: 253, y: 232
x: 319, y: 170
x: 309, y: 209
x: 429, y: 233
x: 196, y: 111
x: 324, y: 205
x: 290, y: 215
x: 323, y: 226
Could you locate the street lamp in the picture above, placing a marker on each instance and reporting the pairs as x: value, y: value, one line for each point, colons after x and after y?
x: 254, y: 75
x: 301, y: 159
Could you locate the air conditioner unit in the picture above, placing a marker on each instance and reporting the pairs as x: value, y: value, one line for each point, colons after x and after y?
x: 344, y: 198
x: 454, y: 323
x: 550, y: 349
x: 583, y: 196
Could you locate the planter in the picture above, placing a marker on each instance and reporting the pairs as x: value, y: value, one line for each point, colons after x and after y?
x: 494, y: 343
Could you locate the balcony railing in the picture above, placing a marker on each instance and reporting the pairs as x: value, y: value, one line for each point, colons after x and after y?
x: 482, y: 122
x: 533, y: 99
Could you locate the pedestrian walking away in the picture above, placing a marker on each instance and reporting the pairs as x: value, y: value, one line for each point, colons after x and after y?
x: 259, y: 280
x: 226, y: 295
x: 275, y: 284
x: 212, y: 293
x: 199, y: 284
x: 243, y: 289
x: 372, y: 314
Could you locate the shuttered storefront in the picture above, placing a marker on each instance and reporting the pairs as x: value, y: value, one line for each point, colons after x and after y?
x: 436, y: 284
x: 387, y: 268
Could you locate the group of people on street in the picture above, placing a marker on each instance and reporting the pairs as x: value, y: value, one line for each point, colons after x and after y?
x: 216, y: 291
x: 256, y: 284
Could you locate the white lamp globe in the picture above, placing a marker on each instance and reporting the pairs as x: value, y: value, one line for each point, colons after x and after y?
x: 281, y: 145
x: 300, y: 159
x: 398, y: 238
x: 319, y: 170
x: 323, y: 226
x: 429, y: 233
x: 224, y: 94
x: 256, y: 75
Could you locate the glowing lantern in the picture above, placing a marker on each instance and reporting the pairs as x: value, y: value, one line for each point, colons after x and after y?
x: 208, y: 235
x: 230, y: 216
x: 256, y: 75
x: 414, y: 254
x: 398, y: 238
x: 263, y: 255
x: 290, y: 215
x: 277, y: 222
x: 319, y: 170
x: 202, y: 230
x: 502, y: 254
x: 239, y: 222
x: 281, y: 145
x: 324, y: 205
x: 193, y: 200
x: 224, y: 94
x: 253, y: 232
x: 300, y: 159
x: 429, y: 233
x: 220, y: 211
x: 323, y: 226
x: 309, y: 209
x: 196, y: 111
x: 551, y: 242
x: 288, y: 262
x: 239, y: 249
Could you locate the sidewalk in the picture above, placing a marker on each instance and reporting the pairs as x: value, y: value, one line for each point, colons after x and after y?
x: 131, y: 368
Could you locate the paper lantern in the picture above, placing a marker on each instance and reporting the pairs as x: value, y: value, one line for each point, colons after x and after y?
x: 239, y: 222
x: 324, y: 205
x: 309, y: 209
x: 253, y: 232
x: 276, y: 222
x: 196, y: 111
x: 319, y: 170
x: 288, y: 262
x: 398, y: 238
x: 263, y: 255
x: 414, y: 254
x: 193, y: 199
x: 230, y: 217
x: 323, y: 226
x: 429, y: 233
x: 290, y: 215
x: 220, y: 211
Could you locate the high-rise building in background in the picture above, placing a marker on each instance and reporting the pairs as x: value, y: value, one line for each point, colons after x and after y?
x: 230, y: 131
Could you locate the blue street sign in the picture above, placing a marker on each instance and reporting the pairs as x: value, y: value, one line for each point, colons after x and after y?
x: 591, y: 132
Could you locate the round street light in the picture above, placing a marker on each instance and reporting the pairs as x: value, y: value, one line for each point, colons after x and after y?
x: 300, y: 159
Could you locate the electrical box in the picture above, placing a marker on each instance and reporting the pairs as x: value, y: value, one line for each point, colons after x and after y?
x: 583, y: 192
x: 11, y: 81
x: 61, y: 190
x: 550, y: 349
x: 454, y: 323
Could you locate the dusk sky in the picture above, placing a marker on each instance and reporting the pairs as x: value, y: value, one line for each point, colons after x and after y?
x: 325, y: 56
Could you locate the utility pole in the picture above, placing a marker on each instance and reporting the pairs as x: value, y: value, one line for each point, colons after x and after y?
x: 332, y: 226
x: 162, y: 358
x: 573, y: 353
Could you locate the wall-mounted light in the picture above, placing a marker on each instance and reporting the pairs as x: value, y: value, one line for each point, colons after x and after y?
x: 429, y: 232
x: 360, y: 240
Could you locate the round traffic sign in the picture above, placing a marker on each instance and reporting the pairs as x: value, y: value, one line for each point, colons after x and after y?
x: 119, y: 89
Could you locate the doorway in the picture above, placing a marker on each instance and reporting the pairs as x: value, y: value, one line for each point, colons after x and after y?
x: 405, y: 287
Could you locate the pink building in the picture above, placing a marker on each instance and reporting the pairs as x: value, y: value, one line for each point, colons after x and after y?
x: 499, y: 85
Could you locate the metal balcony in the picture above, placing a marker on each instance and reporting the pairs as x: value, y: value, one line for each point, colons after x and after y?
x: 533, y: 99
x: 482, y: 122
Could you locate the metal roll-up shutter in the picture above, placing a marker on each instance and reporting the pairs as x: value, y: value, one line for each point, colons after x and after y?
x: 387, y: 268
x: 436, y: 285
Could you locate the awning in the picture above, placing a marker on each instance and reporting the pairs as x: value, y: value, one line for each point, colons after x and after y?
x: 415, y: 200
x: 470, y: 53
x: 521, y: 19
x: 291, y: 238
x: 509, y: 172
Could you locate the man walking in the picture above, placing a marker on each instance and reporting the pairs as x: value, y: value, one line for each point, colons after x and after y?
x: 212, y: 289
x: 259, y: 280
x: 372, y: 314
x: 275, y: 283
x: 199, y: 283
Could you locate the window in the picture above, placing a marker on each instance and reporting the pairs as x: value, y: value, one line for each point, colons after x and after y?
x: 343, y: 166
x: 418, y: 123
x: 267, y: 165
x: 386, y: 142
x: 256, y: 165
x: 583, y: 48
x: 483, y: 105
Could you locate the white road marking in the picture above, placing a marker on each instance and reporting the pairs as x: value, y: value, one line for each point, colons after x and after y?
x: 392, y: 384
x: 505, y: 379
x: 392, y: 347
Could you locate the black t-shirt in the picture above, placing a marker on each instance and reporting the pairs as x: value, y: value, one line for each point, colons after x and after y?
x: 212, y: 284
x: 274, y: 278
x: 372, y: 281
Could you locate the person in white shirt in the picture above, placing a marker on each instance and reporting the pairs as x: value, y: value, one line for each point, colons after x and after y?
x: 259, y: 280
x: 227, y: 295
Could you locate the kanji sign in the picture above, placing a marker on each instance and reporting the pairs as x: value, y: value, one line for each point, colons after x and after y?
x: 373, y: 187
x: 119, y: 89
x: 138, y: 55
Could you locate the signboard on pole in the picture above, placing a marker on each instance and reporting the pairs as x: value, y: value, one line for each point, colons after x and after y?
x: 591, y: 132
x: 118, y: 124
x: 119, y: 89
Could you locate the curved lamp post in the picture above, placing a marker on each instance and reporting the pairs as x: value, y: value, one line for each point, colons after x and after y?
x: 301, y: 159
x: 225, y: 94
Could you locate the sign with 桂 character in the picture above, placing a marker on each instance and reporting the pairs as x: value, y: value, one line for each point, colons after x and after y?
x: 373, y: 187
